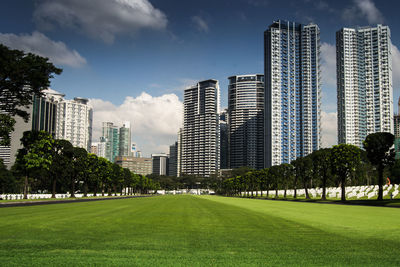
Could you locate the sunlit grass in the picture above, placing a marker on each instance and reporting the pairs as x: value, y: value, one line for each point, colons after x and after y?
x: 199, y: 231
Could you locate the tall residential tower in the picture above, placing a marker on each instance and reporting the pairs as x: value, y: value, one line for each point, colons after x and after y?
x: 246, y: 121
x: 364, y: 83
x: 200, y: 136
x: 292, y: 91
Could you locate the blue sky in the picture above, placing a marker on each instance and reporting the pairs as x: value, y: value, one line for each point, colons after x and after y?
x: 127, y: 54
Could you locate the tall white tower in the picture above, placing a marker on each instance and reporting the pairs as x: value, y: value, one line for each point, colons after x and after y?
x: 364, y: 83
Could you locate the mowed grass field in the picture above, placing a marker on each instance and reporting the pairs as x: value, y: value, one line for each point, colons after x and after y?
x: 199, y: 231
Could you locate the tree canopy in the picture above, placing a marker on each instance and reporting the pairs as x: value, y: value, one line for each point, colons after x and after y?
x: 22, y: 75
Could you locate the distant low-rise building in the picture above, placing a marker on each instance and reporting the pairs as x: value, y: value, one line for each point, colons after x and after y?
x: 142, y: 166
x: 160, y: 164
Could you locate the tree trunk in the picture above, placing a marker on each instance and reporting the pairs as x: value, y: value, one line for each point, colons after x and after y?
x: 53, y: 193
x: 276, y: 192
x: 73, y: 188
x: 261, y: 194
x: 343, y: 187
x: 85, y: 189
x: 295, y: 189
x: 305, y: 188
x: 267, y: 192
x: 380, y: 182
x: 26, y: 187
x: 109, y: 191
x: 102, y: 190
x: 95, y: 191
x: 323, y: 189
x: 284, y: 195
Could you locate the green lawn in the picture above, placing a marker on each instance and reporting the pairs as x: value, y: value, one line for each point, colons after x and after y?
x: 199, y: 231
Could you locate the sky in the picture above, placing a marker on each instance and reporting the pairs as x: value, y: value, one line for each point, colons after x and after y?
x: 133, y: 58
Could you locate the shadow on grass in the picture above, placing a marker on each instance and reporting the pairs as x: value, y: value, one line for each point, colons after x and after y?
x: 393, y: 203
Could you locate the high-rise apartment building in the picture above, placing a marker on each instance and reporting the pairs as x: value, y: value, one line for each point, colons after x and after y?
x: 224, y: 139
x: 397, y: 132
x: 125, y: 143
x: 74, y: 122
x: 246, y: 121
x: 364, y: 83
x: 173, y: 160
x: 42, y: 118
x: 110, y: 136
x: 200, y: 136
x: 292, y: 91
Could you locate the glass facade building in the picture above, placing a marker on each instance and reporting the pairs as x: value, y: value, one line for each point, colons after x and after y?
x: 292, y: 91
x: 246, y: 121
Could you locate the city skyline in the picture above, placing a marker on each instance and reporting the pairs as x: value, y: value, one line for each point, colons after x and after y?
x: 141, y: 66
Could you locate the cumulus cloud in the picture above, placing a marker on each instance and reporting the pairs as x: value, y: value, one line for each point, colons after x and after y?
x: 395, y: 66
x: 38, y: 43
x: 328, y: 64
x: 155, y: 121
x: 329, y: 129
x: 102, y: 19
x: 200, y: 24
x: 363, y: 9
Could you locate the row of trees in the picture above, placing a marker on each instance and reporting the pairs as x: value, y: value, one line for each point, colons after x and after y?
x: 46, y: 164
x: 338, y: 166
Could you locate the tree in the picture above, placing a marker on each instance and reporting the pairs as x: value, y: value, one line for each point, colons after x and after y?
x: 379, y: 152
x: 34, y: 154
x: 287, y: 172
x: 322, y: 167
x: 344, y: 160
x: 80, y: 165
x: 61, y: 166
x: 6, y: 127
x: 21, y: 77
x: 7, y: 180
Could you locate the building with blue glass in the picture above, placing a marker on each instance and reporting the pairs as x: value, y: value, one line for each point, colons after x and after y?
x: 292, y: 91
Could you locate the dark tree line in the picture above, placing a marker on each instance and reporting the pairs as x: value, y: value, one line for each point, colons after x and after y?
x: 46, y: 164
x: 342, y: 165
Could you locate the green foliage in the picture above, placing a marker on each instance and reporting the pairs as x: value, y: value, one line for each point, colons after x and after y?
x: 8, y: 183
x: 379, y: 152
x: 345, y: 158
x: 21, y: 77
x: 6, y: 127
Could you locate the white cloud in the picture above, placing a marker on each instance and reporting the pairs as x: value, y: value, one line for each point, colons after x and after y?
x: 395, y: 66
x: 329, y: 129
x: 101, y: 19
x: 328, y: 64
x: 363, y: 9
x: 38, y: 43
x: 155, y: 121
x: 200, y: 24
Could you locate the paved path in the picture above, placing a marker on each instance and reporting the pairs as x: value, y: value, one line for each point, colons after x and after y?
x: 45, y: 202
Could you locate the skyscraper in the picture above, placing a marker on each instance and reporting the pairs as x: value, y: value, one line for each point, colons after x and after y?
x: 246, y: 121
x: 224, y: 139
x: 397, y: 131
x: 110, y: 136
x: 200, y: 136
x: 364, y: 83
x: 125, y: 143
x: 292, y: 91
x: 173, y: 160
x: 42, y: 118
x: 74, y: 122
